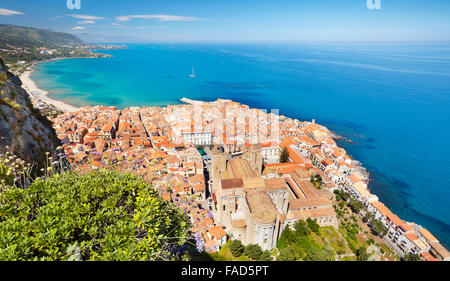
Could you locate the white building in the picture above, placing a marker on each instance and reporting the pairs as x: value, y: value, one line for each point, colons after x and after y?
x: 198, y: 138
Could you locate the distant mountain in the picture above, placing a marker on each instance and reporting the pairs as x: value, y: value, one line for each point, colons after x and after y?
x: 28, y: 37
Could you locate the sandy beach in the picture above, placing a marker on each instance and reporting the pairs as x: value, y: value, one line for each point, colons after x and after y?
x: 39, y: 94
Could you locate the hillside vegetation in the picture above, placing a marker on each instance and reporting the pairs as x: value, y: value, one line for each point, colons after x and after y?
x: 104, y: 215
x: 27, y: 37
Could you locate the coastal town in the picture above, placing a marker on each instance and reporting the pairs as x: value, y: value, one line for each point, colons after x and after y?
x: 239, y: 173
x: 225, y: 140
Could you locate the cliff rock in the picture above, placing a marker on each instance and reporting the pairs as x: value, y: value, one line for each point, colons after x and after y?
x: 24, y: 131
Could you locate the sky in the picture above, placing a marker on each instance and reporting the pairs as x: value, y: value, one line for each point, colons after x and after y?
x: 235, y: 20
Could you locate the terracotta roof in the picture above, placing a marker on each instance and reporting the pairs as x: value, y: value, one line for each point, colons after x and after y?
x: 440, y: 250
x: 275, y: 183
x: 254, y: 182
x: 199, y: 187
x: 425, y: 233
x: 232, y: 183
x: 261, y: 207
x: 428, y: 257
x: 405, y: 227
x: 411, y: 237
x: 308, y: 203
x: 314, y: 213
x: 217, y: 232
x: 387, y: 213
x: 241, y: 223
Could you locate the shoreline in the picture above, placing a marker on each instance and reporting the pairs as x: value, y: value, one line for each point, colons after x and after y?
x: 41, y: 95
x: 38, y: 95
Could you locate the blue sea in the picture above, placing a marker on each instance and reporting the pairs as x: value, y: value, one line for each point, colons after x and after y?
x: 391, y: 99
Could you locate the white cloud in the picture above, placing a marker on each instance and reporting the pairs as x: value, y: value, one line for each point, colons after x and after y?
x: 151, y: 27
x: 6, y: 12
x: 78, y: 27
x: 116, y: 25
x: 86, y: 17
x: 157, y: 17
x: 86, y: 22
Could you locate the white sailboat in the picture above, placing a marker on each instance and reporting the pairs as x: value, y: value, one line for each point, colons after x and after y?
x: 193, y: 73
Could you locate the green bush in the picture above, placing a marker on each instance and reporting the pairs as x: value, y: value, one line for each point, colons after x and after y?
x: 104, y: 215
x: 411, y: 257
x: 287, y: 237
x: 301, y: 228
x: 236, y: 248
x: 253, y: 251
x: 313, y: 225
x: 286, y: 254
x: 266, y: 256
x: 362, y: 254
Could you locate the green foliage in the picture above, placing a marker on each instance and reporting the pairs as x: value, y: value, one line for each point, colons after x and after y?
x: 313, y: 225
x: 318, y: 254
x: 14, y: 172
x: 368, y: 217
x: 266, y: 256
x: 287, y: 237
x: 236, y: 248
x: 301, y: 244
x: 104, y: 215
x: 286, y: 254
x: 355, y: 205
x: 301, y: 228
x: 284, y: 155
x: 351, y: 229
x: 341, y: 195
x: 217, y: 257
x: 32, y: 37
x: 10, y: 103
x: 317, y: 181
x: 376, y: 226
x: 411, y: 257
x: 362, y: 254
x: 253, y: 251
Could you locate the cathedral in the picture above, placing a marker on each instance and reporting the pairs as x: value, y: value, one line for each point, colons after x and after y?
x: 250, y: 207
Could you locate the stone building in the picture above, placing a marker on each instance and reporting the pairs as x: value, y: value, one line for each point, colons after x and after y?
x: 250, y: 208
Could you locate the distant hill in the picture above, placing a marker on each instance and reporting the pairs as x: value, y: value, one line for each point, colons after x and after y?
x: 28, y: 37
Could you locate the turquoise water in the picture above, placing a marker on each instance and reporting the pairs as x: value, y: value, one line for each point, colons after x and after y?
x: 392, y: 100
